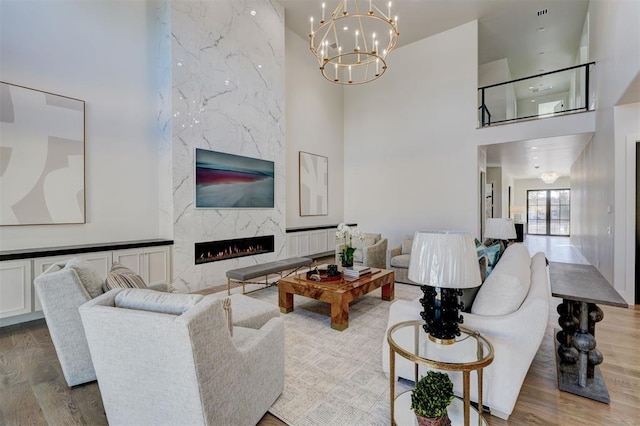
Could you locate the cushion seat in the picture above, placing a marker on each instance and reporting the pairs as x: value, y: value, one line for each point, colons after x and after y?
x: 401, y: 261
x: 251, y: 313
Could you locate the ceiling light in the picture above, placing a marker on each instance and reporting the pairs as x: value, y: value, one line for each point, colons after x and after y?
x: 253, y: 13
x: 533, y: 100
x: 536, y: 166
x: 549, y: 177
x: 358, y: 56
x: 541, y: 29
x: 534, y: 147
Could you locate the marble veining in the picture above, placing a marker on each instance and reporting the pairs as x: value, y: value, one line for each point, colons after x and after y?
x: 227, y: 69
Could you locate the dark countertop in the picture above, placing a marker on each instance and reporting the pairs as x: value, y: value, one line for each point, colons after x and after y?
x: 82, y: 248
x: 315, y: 228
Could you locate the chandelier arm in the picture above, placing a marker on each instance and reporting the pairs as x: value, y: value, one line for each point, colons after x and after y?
x: 337, y: 10
x: 380, y: 12
x: 362, y: 34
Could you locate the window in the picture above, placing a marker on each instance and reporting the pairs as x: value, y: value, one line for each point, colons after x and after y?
x: 548, y: 212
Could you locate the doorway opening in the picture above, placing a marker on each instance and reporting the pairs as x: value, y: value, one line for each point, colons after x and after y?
x: 549, y: 212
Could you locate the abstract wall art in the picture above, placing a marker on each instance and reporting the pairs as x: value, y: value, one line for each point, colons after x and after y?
x: 233, y: 181
x: 41, y: 157
x: 314, y: 184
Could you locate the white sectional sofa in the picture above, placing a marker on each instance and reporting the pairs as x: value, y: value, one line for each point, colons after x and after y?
x: 511, y: 310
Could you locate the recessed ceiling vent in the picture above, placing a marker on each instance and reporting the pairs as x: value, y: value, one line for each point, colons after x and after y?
x: 543, y: 12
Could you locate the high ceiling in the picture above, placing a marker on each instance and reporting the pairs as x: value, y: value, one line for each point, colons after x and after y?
x: 513, y: 29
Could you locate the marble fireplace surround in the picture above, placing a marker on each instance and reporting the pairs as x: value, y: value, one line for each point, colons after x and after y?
x: 226, y: 94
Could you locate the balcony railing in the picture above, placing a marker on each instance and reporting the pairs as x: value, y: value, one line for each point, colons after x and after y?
x: 543, y: 95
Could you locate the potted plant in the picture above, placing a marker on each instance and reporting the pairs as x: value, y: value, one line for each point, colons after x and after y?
x: 431, y: 397
x: 346, y: 233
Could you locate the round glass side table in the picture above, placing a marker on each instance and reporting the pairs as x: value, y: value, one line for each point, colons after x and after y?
x: 471, y: 351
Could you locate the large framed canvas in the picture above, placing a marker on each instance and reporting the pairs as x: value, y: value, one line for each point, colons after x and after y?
x: 314, y: 184
x: 41, y: 157
x: 233, y: 181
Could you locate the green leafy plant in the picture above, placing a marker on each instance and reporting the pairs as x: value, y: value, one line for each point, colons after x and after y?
x: 432, y: 395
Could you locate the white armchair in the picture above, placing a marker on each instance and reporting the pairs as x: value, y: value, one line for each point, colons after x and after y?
x: 62, y: 288
x: 168, y: 359
x: 371, y: 251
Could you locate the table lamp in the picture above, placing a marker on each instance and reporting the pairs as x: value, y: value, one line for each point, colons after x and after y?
x: 444, y: 262
x: 502, y: 229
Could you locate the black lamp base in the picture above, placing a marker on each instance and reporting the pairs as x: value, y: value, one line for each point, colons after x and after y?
x: 441, y: 313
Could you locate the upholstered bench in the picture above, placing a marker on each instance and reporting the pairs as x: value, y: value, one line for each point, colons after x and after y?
x: 248, y: 273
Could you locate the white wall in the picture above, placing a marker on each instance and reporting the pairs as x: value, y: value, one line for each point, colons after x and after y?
x: 314, y: 124
x: 105, y: 53
x: 627, y: 134
x: 614, y: 43
x: 228, y: 73
x: 500, y: 100
x: 410, y: 157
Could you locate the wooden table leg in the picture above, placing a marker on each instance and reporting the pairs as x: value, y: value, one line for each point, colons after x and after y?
x: 285, y: 300
x: 340, y: 315
x: 388, y: 291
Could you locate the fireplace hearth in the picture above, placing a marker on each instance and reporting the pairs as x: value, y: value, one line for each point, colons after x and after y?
x: 213, y: 251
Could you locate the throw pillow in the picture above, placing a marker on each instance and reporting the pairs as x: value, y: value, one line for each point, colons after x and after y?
x: 501, y: 294
x: 89, y: 278
x: 492, y: 253
x: 407, y: 244
x: 156, y: 301
x: 122, y: 277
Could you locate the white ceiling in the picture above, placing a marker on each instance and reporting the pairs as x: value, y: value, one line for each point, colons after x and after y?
x: 506, y: 29
x: 519, y: 159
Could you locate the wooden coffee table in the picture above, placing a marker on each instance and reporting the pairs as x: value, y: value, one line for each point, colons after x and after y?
x: 338, y: 293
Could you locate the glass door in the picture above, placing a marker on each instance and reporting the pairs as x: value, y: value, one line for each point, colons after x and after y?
x: 548, y: 212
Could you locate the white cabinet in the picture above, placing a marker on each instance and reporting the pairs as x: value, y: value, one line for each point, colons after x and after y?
x: 153, y: 264
x: 19, y: 301
x: 298, y: 244
x: 100, y: 262
x: 15, y: 288
x: 311, y: 242
x: 318, y: 241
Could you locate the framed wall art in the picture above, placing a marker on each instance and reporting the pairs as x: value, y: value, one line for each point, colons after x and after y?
x: 314, y: 184
x: 42, y: 143
x: 233, y: 181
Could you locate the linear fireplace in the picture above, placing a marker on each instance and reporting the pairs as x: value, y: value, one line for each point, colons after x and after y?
x: 213, y: 251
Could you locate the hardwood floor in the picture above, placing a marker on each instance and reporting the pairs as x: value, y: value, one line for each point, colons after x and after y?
x: 33, y: 390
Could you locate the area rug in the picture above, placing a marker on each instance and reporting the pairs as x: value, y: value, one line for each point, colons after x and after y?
x: 333, y: 377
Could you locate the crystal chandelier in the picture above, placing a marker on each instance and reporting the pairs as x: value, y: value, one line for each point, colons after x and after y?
x: 549, y: 177
x: 353, y: 44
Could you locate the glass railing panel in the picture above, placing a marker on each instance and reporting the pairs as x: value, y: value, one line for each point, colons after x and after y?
x: 540, y: 96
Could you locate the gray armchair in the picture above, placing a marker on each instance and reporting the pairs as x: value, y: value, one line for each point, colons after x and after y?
x: 370, y: 251
x: 398, y: 260
x: 62, y: 288
x: 168, y: 359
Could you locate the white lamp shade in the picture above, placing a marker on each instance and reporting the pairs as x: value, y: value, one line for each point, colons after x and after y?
x: 444, y: 259
x: 500, y: 229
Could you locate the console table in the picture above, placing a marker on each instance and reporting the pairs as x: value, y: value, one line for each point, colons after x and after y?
x: 581, y: 288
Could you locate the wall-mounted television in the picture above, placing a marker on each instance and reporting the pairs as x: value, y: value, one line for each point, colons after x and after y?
x: 233, y: 181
